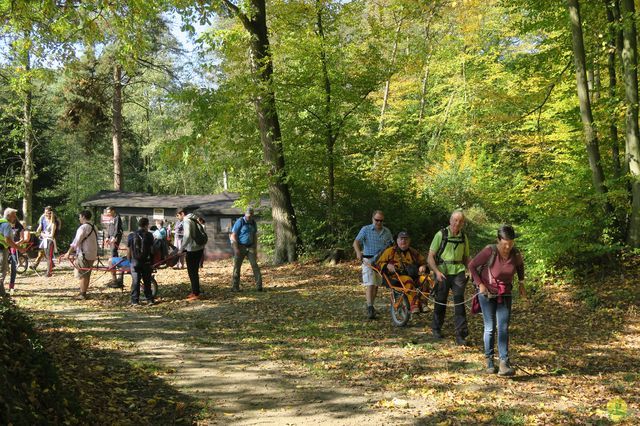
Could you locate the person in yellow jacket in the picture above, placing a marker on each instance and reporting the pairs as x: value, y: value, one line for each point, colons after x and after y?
x: 408, y: 263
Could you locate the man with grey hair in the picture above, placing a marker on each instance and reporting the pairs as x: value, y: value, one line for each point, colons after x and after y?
x: 6, y: 242
x: 448, y: 258
x: 245, y: 244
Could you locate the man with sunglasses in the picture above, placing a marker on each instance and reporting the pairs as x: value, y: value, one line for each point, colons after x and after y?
x: 371, y: 240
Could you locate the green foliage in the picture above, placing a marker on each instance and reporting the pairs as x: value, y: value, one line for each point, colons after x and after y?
x: 481, y: 113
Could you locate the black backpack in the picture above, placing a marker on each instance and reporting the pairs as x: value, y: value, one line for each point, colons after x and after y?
x: 461, y: 239
x: 199, y: 234
x: 141, y: 249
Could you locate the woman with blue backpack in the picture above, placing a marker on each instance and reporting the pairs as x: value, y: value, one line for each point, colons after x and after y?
x: 493, y: 270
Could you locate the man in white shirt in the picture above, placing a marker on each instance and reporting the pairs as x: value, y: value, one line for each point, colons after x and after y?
x: 84, y: 249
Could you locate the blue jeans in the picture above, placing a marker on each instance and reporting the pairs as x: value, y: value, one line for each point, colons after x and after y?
x: 13, y: 262
x: 492, y: 311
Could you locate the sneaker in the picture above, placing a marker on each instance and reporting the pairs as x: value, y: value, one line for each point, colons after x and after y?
x: 259, y: 288
x: 505, y: 369
x: 11, y: 291
x: 82, y: 296
x: 437, y: 334
x: 461, y: 341
x: 371, y: 312
x: 134, y: 305
x: 235, y: 288
x: 151, y: 302
x: 192, y: 297
x: 491, y: 366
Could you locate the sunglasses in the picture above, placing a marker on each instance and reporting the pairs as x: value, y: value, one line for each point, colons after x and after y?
x: 379, y: 220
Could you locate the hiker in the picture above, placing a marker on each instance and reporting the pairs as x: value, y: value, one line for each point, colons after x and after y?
x: 139, y: 250
x: 6, y: 242
x: 374, y: 239
x: 19, y: 237
x: 114, y: 237
x: 244, y: 242
x: 407, y: 263
x: 83, y: 251
x: 448, y: 257
x: 48, y: 227
x: 493, y: 270
x: 178, y: 232
x: 202, y: 222
x: 193, y: 242
x: 160, y: 233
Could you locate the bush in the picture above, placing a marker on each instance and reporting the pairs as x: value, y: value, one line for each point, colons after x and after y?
x: 28, y: 379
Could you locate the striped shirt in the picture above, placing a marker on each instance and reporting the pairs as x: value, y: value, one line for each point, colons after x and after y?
x: 373, y: 241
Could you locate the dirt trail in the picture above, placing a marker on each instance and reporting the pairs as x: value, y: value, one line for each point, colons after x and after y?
x: 235, y: 384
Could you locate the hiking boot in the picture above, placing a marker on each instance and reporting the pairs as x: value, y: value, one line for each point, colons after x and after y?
x: 151, y: 302
x: 82, y: 296
x: 235, y: 288
x: 259, y: 287
x: 505, y: 369
x: 437, y: 334
x: 371, y: 312
x: 491, y: 366
x: 134, y: 305
x: 461, y: 341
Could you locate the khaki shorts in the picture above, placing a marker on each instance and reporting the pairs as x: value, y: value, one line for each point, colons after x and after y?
x: 81, y: 265
x: 369, y: 276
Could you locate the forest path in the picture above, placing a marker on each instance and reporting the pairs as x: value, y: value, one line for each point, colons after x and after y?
x: 235, y: 382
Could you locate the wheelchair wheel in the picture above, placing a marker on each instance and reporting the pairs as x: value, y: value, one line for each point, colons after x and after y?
x: 154, y: 287
x: 400, y: 315
x: 23, y: 263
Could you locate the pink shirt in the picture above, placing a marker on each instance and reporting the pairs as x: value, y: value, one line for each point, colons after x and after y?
x: 501, y: 270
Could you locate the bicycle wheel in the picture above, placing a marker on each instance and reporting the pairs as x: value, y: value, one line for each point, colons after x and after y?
x: 154, y: 287
x: 23, y: 263
x: 400, y: 310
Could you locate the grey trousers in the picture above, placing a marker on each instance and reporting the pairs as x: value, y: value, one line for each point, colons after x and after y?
x: 251, y: 254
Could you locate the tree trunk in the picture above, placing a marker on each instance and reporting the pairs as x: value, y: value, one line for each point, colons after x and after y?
x: 29, y: 170
x: 116, y: 130
x: 284, y: 218
x: 586, y: 115
x: 632, y: 152
x: 329, y: 136
x: 611, y: 66
x: 387, y: 85
x: 423, y: 92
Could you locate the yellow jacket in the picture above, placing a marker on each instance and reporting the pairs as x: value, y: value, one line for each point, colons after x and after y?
x: 400, y: 260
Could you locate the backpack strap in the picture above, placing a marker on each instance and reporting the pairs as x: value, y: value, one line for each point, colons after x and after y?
x: 443, y: 243
x: 93, y: 231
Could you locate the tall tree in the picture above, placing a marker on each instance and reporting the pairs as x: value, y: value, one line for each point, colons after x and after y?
x: 283, y: 214
x: 632, y: 154
x: 27, y: 123
x: 116, y: 131
x: 591, y: 137
x: 613, y: 49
